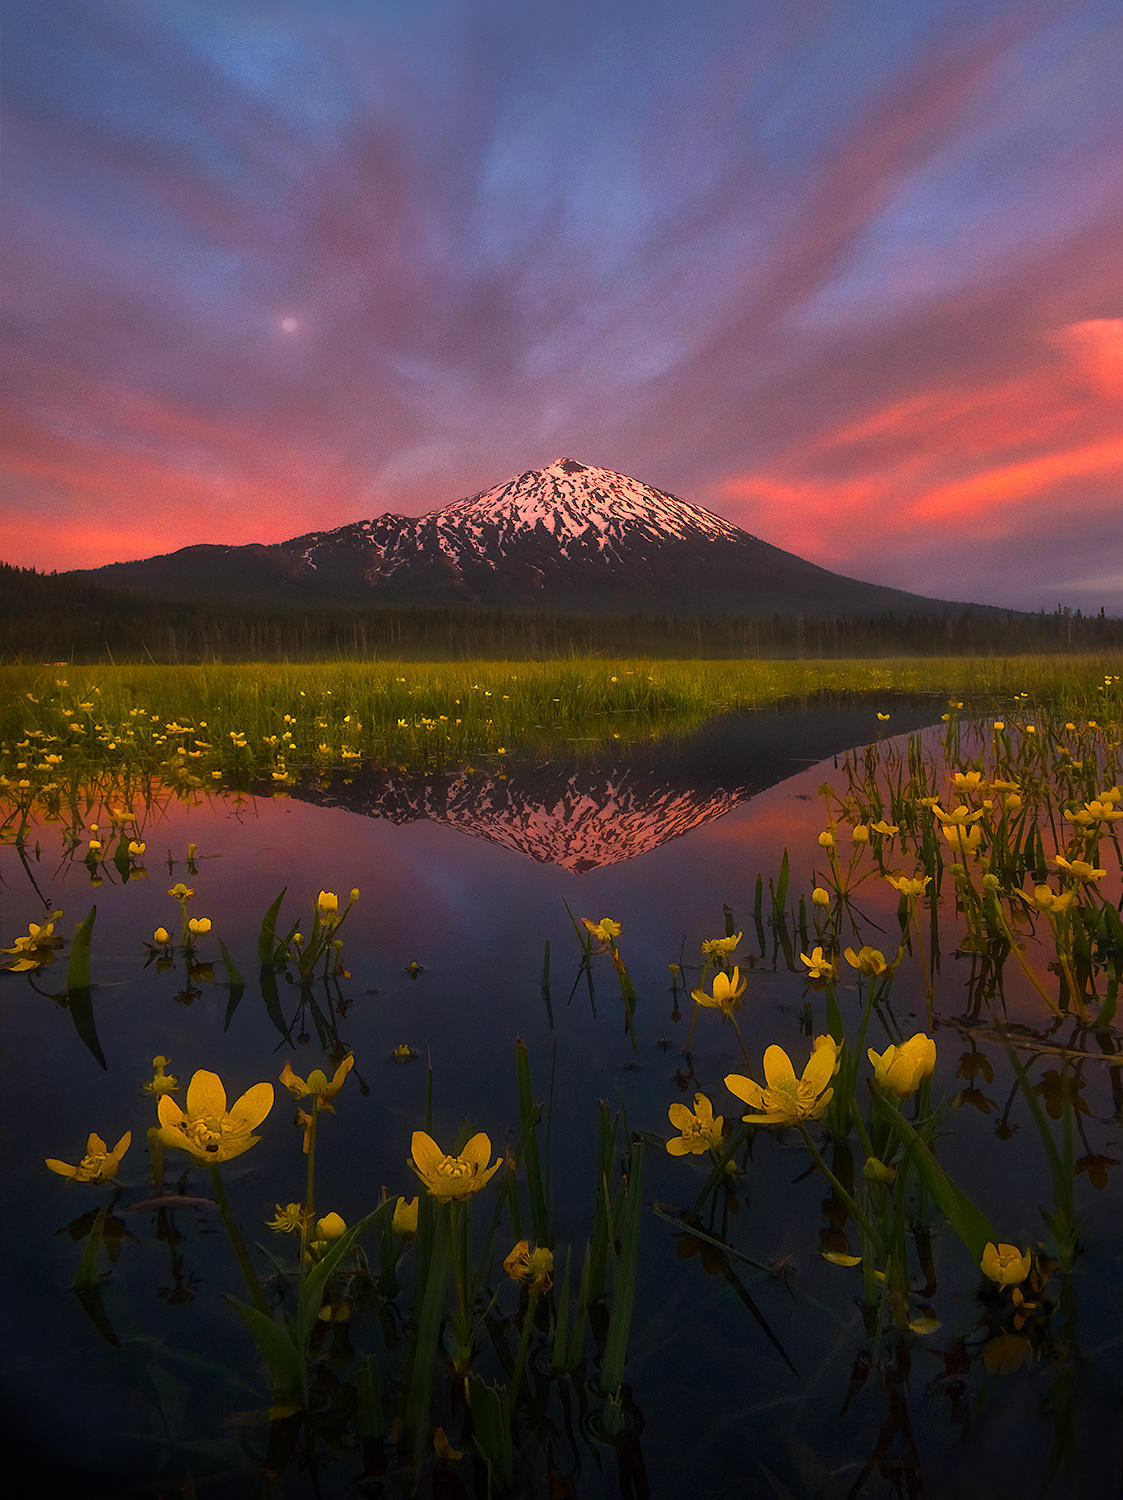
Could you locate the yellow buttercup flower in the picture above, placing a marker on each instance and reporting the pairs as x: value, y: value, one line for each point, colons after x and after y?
x: 867, y: 960
x: 910, y: 886
x: 962, y: 839
x: 535, y: 1267
x: 404, y: 1222
x: 720, y: 947
x: 317, y: 1084
x: 209, y: 1131
x: 819, y: 966
x: 1079, y: 869
x: 327, y: 905
x: 728, y: 989
x: 820, y: 897
x: 785, y: 1099
x: 605, y: 930
x: 452, y: 1177
x: 161, y: 1081
x: 887, y: 830
x: 1046, y: 899
x: 1005, y: 1264
x: 960, y: 817
x: 330, y: 1227
x: 699, y: 1129
x: 98, y: 1163
x: 900, y: 1069
x: 290, y: 1219
x: 198, y: 926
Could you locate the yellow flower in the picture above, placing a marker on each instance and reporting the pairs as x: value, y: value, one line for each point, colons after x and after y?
x: 404, y: 1222
x: 699, y: 1129
x: 1079, y: 869
x: 826, y: 839
x: 36, y: 949
x: 209, y: 1131
x: 137, y: 848
x: 968, y: 781
x: 161, y: 936
x: 719, y: 947
x: 887, y: 830
x: 820, y: 897
x: 728, y: 989
x: 316, y: 1084
x: 900, y: 1069
x: 785, y: 1099
x: 98, y: 1163
x: 290, y: 1218
x: 963, y: 840
x: 867, y: 960
x: 960, y: 817
x: 198, y: 926
x: 327, y: 905
x: 860, y: 833
x: 882, y: 717
x: 330, y: 1227
x: 1045, y: 899
x: 452, y: 1177
x: 181, y: 892
x: 911, y: 886
x: 819, y: 965
x: 1005, y: 1264
x: 605, y: 930
x: 535, y: 1267
x: 160, y: 1082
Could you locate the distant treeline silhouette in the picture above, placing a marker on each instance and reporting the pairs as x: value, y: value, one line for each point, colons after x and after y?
x: 50, y: 617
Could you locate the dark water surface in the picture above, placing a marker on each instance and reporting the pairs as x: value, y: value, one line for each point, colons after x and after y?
x: 467, y: 875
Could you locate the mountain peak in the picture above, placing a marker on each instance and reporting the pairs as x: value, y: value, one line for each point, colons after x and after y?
x: 580, y: 504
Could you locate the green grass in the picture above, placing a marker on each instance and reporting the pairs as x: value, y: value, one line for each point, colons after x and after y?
x: 202, y: 725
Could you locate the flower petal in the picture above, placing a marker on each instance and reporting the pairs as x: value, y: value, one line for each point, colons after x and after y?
x: 249, y: 1111
x: 425, y: 1152
x: 169, y: 1113
x: 205, y: 1095
x: 477, y: 1150
x: 679, y: 1116
x: 778, y: 1069
x: 820, y: 1069
x: 746, y: 1089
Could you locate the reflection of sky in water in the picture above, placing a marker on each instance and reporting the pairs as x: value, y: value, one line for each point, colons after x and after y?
x: 476, y: 915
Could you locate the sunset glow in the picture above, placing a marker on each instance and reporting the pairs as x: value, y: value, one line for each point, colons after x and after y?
x: 848, y: 274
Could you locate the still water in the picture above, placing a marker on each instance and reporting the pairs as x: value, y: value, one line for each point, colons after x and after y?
x: 744, y: 1377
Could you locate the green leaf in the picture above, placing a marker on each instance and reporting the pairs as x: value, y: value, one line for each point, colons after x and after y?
x: 281, y: 1355
x: 78, y: 968
x: 267, y: 937
x: 87, y: 1270
x: 312, y: 1292
x: 969, y: 1222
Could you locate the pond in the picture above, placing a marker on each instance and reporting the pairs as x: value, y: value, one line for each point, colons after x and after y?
x: 753, y: 1362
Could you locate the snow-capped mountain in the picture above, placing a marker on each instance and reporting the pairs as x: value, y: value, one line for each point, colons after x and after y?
x: 567, y: 538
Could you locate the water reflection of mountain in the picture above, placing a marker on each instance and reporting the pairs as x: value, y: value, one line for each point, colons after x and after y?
x: 600, y: 807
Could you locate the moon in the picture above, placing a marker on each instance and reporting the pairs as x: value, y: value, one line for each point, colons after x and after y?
x: 289, y: 325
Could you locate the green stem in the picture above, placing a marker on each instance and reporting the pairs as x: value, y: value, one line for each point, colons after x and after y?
x: 238, y: 1243
x: 847, y: 1198
x: 524, y: 1344
x: 308, y: 1217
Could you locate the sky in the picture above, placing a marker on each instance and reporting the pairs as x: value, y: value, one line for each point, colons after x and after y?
x: 848, y: 272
